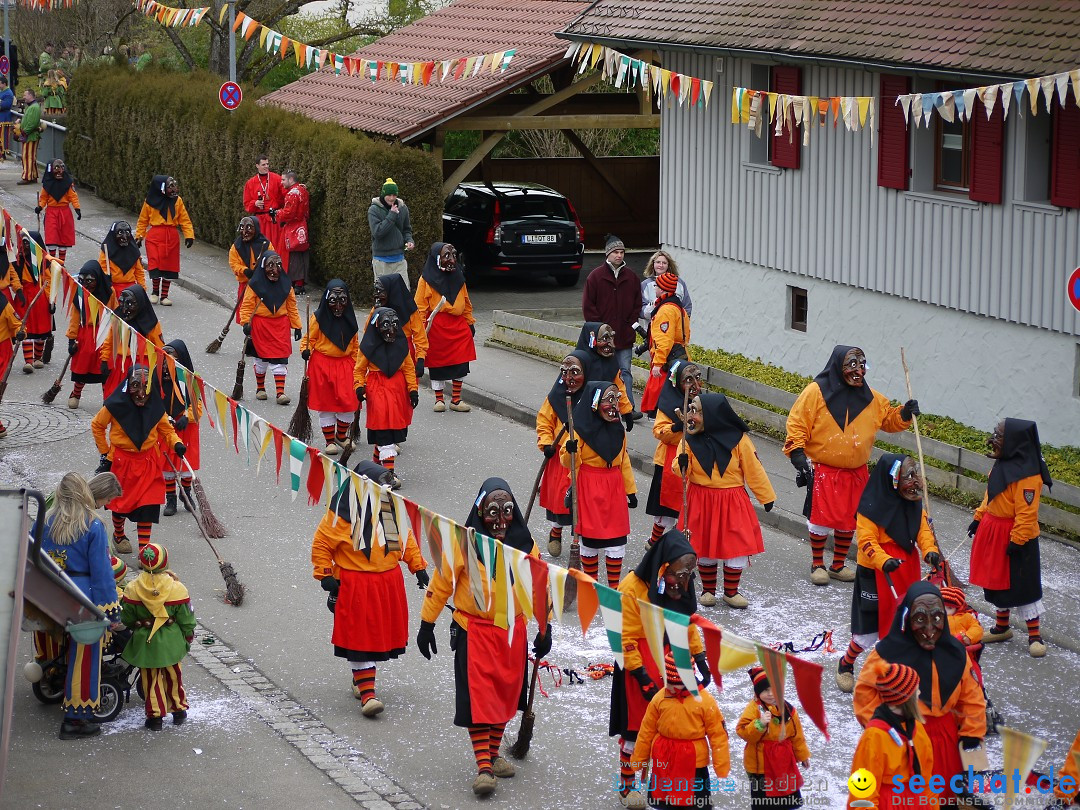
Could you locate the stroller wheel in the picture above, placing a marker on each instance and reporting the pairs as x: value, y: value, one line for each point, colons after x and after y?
x: 139, y: 690
x: 50, y: 689
x: 112, y: 701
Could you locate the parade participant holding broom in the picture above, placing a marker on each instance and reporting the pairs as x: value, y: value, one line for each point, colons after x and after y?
x: 157, y: 607
x: 365, y: 586
x: 551, y: 435
x: 775, y: 747
x: 384, y: 375
x: 244, y: 255
x: 1005, y: 551
x: 10, y: 330
x: 134, y: 308
x: 669, y: 338
x: 720, y: 461
x: 893, y: 535
x: 87, y: 366
x: 162, y: 213
x: 598, y: 341
x: 664, y: 577
x: 330, y: 348
x: 489, y: 667
x: 606, y: 487
x: 34, y: 310
x: 443, y: 301
x: 392, y: 291
x: 665, y: 493
x: 833, y: 424
x: 183, y: 407
x: 120, y: 258
x: 127, y: 430
x: 267, y: 314
x: 57, y: 198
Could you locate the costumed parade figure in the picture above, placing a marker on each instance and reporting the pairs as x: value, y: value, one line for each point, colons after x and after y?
x: 606, y: 487
x: 669, y: 338
x: 244, y: 254
x: 665, y: 492
x: 598, y: 341
x: 127, y: 431
x: 10, y: 330
x: 664, y: 577
x: 551, y: 435
x: 183, y: 407
x: 330, y: 347
x: 444, y: 305
x: 36, y: 315
x: 384, y: 375
x: 120, y: 258
x: 720, y: 521
x: 963, y: 621
x: 489, y: 667
x: 267, y: 314
x: 57, y: 198
x: 833, y: 424
x: 87, y: 366
x: 366, y: 591
x: 892, y: 535
x: 157, y: 607
x: 162, y: 213
x: 392, y: 291
x: 133, y: 306
x: 774, y: 751
x: 1005, y: 549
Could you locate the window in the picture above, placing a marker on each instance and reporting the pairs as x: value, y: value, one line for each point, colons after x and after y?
x: 1033, y: 178
x: 797, y: 309
x: 761, y: 148
x: 951, y: 154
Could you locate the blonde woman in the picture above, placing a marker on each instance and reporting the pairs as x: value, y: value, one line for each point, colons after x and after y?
x: 77, y: 542
x: 660, y: 262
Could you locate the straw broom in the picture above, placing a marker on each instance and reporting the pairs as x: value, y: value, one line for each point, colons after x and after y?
x: 50, y: 395
x: 300, y: 424
x: 238, y: 385
x: 520, y: 748
x: 215, y: 344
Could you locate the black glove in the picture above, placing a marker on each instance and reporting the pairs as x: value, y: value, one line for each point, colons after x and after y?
x: 472, y: 329
x: 414, y: 398
x: 548, y: 450
x: 104, y: 465
x: 571, y: 446
x: 890, y: 565
x: 933, y: 559
x: 37, y: 209
x: 628, y: 420
x: 179, y: 449
x: 684, y: 462
x: 331, y: 603
x: 247, y: 328
x: 703, y: 668
x: 799, y: 462
x: 273, y: 215
x: 330, y: 585
x: 972, y: 528
x: 910, y: 409
x: 419, y: 367
x: 677, y: 426
x: 20, y: 298
x: 20, y: 336
x: 189, y: 242
x: 73, y: 345
x: 969, y: 743
x: 1014, y: 549
x: 297, y: 334
x: 422, y: 579
x: 52, y: 309
x: 78, y: 214
x: 360, y: 395
x: 768, y: 507
x: 305, y: 354
x: 631, y: 500
x: 138, y: 242
x: 542, y: 643
x: 182, y: 422
x: 646, y: 683
x: 425, y: 640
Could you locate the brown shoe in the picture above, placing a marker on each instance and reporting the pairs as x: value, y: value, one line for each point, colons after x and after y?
x: 484, y: 784
x: 372, y: 707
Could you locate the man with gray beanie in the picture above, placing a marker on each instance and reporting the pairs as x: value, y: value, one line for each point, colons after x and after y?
x: 613, y: 296
x: 391, y: 232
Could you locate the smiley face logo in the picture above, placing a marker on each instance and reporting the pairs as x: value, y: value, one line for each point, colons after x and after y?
x: 861, y: 784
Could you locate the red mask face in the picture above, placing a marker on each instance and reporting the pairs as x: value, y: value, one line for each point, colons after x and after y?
x: 605, y: 341
x: 572, y: 374
x: 497, y: 513
x: 855, y: 368
x: 609, y: 404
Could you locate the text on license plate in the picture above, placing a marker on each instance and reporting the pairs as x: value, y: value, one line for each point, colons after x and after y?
x: 539, y: 238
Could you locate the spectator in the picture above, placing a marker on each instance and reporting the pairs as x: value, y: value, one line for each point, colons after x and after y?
x: 391, y: 232
x: 263, y: 196
x: 613, y: 296
x: 7, y: 99
x: 293, y: 219
x: 46, y: 62
x: 31, y: 134
x: 660, y: 262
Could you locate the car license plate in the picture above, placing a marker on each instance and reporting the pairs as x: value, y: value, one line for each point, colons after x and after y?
x: 539, y: 238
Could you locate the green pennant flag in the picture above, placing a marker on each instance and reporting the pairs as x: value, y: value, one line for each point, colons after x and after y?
x: 774, y: 663
x: 611, y: 615
x: 297, y: 454
x: 677, y: 626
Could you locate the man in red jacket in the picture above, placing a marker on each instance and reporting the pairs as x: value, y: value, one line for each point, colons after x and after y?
x: 613, y: 296
x: 293, y: 219
x: 263, y: 197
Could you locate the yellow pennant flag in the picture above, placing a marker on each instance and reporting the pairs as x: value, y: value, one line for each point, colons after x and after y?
x: 263, y: 31
x: 652, y: 622
x: 736, y: 652
x: 224, y: 11
x: 267, y: 436
x: 1021, y: 752
x: 864, y: 105
x: 557, y: 580
x: 665, y: 81
x: 496, y: 60
x: 222, y: 405
x: 735, y: 104
x: 772, y: 106
x: 151, y: 363
x: 519, y: 563
x: 594, y: 57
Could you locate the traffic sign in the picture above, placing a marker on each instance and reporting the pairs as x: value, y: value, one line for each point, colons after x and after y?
x: 4, y: 65
x: 230, y: 95
x: 1073, y: 288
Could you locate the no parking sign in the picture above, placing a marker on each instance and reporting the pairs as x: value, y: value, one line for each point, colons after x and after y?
x: 5, y: 65
x: 1073, y: 288
x: 230, y: 95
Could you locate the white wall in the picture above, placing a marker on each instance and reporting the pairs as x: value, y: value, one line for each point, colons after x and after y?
x: 973, y: 368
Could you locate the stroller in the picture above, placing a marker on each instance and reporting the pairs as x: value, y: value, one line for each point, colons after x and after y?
x: 117, y: 678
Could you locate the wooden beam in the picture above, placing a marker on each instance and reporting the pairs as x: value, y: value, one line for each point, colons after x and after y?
x: 437, y: 147
x: 549, y: 101
x: 599, y: 168
x: 521, y: 122
x: 471, y: 162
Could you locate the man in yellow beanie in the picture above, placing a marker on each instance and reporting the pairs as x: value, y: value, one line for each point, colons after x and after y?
x: 391, y: 232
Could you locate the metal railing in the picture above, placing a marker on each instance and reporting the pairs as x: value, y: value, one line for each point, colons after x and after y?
x: 51, y: 144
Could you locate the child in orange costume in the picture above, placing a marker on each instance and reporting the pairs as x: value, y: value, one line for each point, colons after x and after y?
x: 963, y: 623
x: 772, y: 751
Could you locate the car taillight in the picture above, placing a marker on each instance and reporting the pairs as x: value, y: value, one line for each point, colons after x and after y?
x: 494, y: 233
x: 577, y: 223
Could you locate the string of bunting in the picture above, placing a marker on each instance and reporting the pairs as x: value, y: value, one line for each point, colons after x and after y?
x: 47, y: 5
x: 757, y: 107
x: 954, y: 105
x: 169, y: 16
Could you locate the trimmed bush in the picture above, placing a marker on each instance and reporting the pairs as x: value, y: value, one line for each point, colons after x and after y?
x: 125, y: 127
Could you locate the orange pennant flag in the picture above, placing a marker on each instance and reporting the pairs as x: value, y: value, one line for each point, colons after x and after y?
x: 240, y: 17
x: 300, y: 52
x: 587, y: 600
x: 285, y: 43
x: 835, y: 101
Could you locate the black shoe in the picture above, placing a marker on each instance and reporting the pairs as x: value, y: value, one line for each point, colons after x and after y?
x: 170, y: 504
x: 636, y: 415
x: 187, y: 499
x: 74, y: 729
x: 179, y: 717
x: 153, y: 723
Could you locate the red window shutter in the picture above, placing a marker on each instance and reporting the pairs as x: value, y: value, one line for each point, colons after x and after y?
x: 987, y: 151
x: 1065, y: 156
x: 786, y: 147
x: 893, y: 166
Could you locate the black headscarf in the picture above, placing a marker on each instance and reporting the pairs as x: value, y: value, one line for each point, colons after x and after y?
x: 258, y: 245
x: 883, y: 504
x: 517, y: 533
x: 1021, y: 457
x: 398, y: 297
x: 671, y: 396
x: 103, y: 288
x: 145, y: 318
x: 948, y: 655
x: 123, y: 257
x: 137, y: 422
x: 174, y: 405
x: 273, y: 294
x: 672, y: 545
x: 723, y: 430
x: 845, y: 402
x: 599, y: 367
x: 386, y: 357
x: 341, y: 330
x: 22, y: 260
x: 340, y: 504
x: 606, y: 439
x: 445, y: 284
x: 53, y: 187
x: 157, y: 198
x: 556, y: 398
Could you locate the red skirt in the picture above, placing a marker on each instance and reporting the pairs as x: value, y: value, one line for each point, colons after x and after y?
x: 271, y: 337
x: 240, y: 289
x: 330, y: 383
x: 86, y: 362
x: 836, y: 496
x: 990, y: 553
x: 496, y: 669
x: 782, y: 777
x: 670, y: 484
x: 59, y: 226
x: 39, y: 320
x: 944, y: 736
x: 163, y: 250
x: 388, y: 401
x: 120, y: 286
x: 553, y: 486
x: 651, y: 395
x: 636, y: 702
x: 7, y: 351
x: 371, y: 620
x: 190, y: 437
x: 674, y: 767
x: 723, y: 523
x: 909, y: 572
x: 140, y: 479
x: 602, y: 503
x: 450, y: 342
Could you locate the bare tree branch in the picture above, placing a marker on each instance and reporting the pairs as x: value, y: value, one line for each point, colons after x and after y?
x: 185, y: 54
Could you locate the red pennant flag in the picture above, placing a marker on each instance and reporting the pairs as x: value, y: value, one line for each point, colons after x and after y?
x: 235, y: 429
x: 202, y: 396
x: 429, y: 68
x: 675, y: 80
x: 413, y: 512
x: 279, y: 441
x: 713, y: 636
x: 539, y: 591
x: 459, y: 71
x: 316, y: 477
x: 695, y: 91
x: 807, y: 676
x: 587, y: 600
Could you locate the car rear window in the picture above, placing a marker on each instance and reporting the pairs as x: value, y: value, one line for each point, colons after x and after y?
x: 539, y: 206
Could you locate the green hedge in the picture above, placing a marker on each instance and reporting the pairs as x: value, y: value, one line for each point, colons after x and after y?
x: 125, y: 127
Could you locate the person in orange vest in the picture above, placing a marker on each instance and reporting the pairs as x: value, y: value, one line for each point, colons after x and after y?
x: 443, y: 299
x: 11, y: 332
x: 162, y: 213
x: 665, y: 493
x: 86, y: 363
x: 244, y: 254
x: 120, y: 258
x: 36, y: 315
x: 57, y: 198
x: 267, y: 314
x: 773, y: 752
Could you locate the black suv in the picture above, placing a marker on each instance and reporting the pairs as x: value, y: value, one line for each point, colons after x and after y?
x: 521, y: 229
